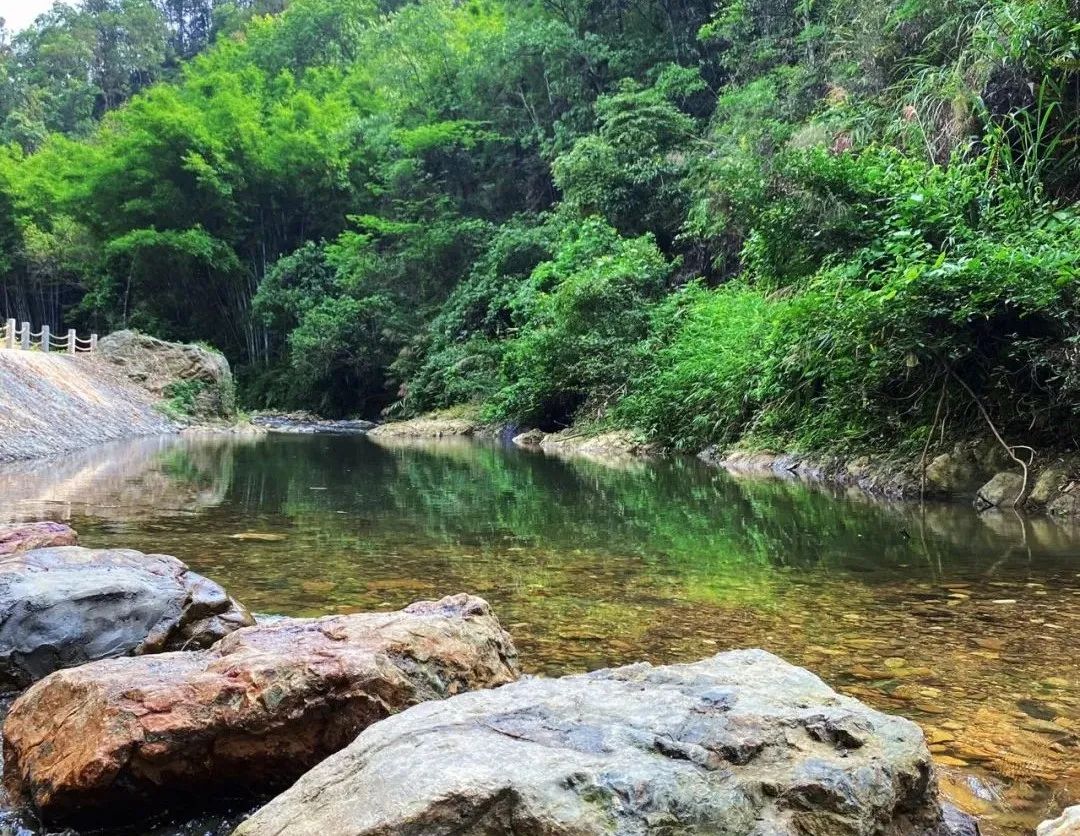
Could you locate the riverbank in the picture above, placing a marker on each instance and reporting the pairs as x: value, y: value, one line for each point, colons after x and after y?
x: 979, y: 470
x: 132, y: 385
x: 55, y: 404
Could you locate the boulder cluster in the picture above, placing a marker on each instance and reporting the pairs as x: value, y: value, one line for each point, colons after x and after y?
x: 147, y: 687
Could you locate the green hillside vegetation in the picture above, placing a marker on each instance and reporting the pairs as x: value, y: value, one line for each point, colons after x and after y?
x: 816, y: 224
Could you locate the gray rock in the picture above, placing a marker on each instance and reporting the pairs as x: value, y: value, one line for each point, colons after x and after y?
x: 302, y: 423
x: 1001, y: 491
x: 156, y: 365
x: 62, y: 607
x: 953, y: 473
x: 1067, y: 824
x: 1066, y: 504
x: 1048, y: 483
x: 529, y: 438
x: 990, y: 456
x: 742, y: 744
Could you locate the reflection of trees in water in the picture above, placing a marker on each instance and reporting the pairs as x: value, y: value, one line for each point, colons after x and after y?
x: 677, y: 514
x: 160, y: 476
x: 453, y: 500
x: 592, y: 564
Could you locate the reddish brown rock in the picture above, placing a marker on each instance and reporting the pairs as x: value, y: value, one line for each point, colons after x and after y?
x: 251, y: 714
x: 22, y: 537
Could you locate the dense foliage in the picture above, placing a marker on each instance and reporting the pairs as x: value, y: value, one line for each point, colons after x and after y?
x: 808, y: 223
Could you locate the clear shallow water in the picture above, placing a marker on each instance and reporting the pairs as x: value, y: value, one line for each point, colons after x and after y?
x: 966, y: 624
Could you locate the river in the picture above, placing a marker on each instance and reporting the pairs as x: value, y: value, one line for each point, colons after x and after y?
x: 965, y: 623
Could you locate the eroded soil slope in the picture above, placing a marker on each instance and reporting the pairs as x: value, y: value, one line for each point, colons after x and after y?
x: 53, y: 403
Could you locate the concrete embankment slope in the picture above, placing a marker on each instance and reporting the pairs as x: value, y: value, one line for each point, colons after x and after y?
x: 52, y: 404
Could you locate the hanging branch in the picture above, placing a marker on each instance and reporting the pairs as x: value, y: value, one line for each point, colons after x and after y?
x: 1008, y: 448
x: 929, y: 436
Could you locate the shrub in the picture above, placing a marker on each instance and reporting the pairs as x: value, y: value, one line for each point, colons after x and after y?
x: 578, y: 321
x: 705, y: 384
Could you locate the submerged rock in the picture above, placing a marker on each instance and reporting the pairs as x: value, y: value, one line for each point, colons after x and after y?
x: 61, y: 607
x: 1067, y: 824
x: 24, y: 537
x: 1001, y: 491
x: 248, y: 715
x: 742, y: 743
x: 955, y: 822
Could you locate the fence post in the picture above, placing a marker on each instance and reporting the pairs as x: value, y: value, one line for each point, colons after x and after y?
x: 26, y: 336
x: 9, y: 334
x: 45, y: 338
x: 71, y: 341
x: 93, y: 343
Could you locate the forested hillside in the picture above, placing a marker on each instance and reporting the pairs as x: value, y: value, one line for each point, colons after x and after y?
x: 812, y: 223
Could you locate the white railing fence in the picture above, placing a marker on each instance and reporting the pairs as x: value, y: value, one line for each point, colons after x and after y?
x: 16, y: 336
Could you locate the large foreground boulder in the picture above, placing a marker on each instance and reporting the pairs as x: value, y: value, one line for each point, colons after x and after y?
x: 23, y: 537
x: 249, y: 715
x: 742, y: 744
x: 64, y: 606
x: 197, y: 378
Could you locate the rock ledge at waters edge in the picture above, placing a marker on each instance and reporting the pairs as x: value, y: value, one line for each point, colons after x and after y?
x: 64, y: 606
x: 23, y: 537
x: 742, y: 743
x: 249, y: 715
x: 614, y: 444
x: 304, y: 423
x: 433, y: 426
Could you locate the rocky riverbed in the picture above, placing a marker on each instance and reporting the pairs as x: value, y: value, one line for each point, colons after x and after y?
x: 741, y: 742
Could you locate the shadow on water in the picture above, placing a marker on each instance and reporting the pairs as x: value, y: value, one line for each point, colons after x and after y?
x: 966, y: 623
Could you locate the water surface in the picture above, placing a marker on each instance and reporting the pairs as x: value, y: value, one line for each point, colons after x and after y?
x: 964, y: 623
